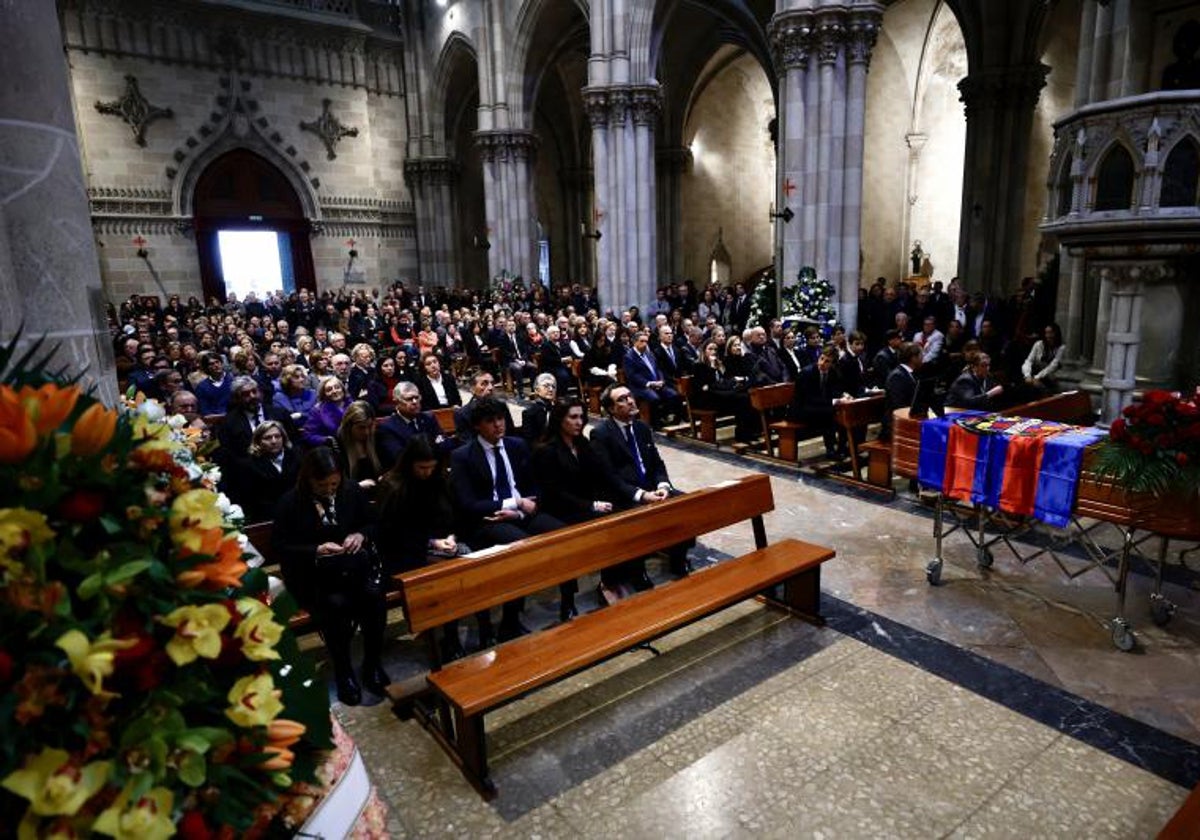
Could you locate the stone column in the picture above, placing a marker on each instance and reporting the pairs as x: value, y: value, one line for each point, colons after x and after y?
x: 829, y: 38
x: 791, y: 38
x: 1121, y: 340
x: 507, y: 158
x: 646, y: 105
x: 430, y: 181
x: 861, y: 34
x: 596, y: 103
x: 673, y: 163
x: 999, y: 103
x: 49, y: 273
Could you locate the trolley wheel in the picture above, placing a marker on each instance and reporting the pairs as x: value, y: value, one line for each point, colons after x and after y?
x: 1122, y: 636
x: 933, y: 572
x: 1161, y: 610
x: 983, y: 556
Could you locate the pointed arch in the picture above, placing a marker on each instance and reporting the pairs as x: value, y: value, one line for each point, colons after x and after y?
x: 1181, y: 174
x: 1114, y: 178
x: 458, y: 51
x: 1064, y: 186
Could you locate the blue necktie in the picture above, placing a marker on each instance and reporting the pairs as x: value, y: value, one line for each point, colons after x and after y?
x: 503, y: 485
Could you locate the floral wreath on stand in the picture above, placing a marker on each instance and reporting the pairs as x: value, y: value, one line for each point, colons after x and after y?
x: 810, y: 299
x: 146, y: 686
x: 507, y: 289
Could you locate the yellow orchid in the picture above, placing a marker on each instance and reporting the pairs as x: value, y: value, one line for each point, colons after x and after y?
x: 197, y: 632
x: 33, y: 827
x: 54, y: 785
x: 19, y: 530
x: 192, y: 514
x: 254, y: 701
x: 92, y: 661
x: 257, y: 631
x: 147, y: 818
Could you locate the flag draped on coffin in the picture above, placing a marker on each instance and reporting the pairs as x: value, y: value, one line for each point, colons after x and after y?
x: 1019, y: 465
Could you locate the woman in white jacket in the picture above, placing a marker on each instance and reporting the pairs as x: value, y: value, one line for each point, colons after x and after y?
x: 1044, y: 359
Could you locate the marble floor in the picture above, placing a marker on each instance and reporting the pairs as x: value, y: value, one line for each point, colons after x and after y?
x: 993, y: 705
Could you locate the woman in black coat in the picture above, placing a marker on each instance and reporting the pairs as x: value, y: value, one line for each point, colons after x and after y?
x: 570, y: 479
x: 322, y: 535
x: 268, y: 473
x: 716, y: 388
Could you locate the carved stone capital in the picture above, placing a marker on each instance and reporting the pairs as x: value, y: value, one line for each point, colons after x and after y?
x: 1003, y: 87
x: 645, y: 104
x: 502, y: 145
x: 830, y: 35
x: 861, y: 33
x: 595, y: 104
x: 619, y: 103
x: 430, y: 171
x: 791, y: 35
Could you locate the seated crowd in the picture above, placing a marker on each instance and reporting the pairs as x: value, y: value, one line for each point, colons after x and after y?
x: 323, y: 410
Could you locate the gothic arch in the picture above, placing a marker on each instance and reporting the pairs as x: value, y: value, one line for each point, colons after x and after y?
x: 524, y: 81
x: 1136, y: 166
x: 456, y: 49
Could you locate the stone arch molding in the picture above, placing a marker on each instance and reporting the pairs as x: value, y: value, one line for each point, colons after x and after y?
x: 237, y: 124
x: 456, y: 48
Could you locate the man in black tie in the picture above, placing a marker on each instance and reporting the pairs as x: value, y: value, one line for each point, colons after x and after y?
x: 516, y: 357
x: 625, y: 446
x: 853, y: 366
x: 671, y: 361
x: 739, y: 309
x: 494, y: 495
x: 394, y: 433
x: 816, y: 389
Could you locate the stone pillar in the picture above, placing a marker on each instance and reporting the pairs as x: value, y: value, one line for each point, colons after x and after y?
x: 673, y: 163
x: 49, y: 273
x: 430, y: 181
x: 999, y: 104
x: 791, y: 37
x: 507, y: 159
x: 829, y: 41
x: 1121, y: 340
x: 861, y: 34
x: 596, y: 104
x: 646, y: 105
x: 1083, y: 70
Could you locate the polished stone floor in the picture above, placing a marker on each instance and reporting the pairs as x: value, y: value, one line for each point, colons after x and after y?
x: 993, y: 705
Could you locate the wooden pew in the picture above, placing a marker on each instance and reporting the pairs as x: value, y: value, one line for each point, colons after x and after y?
x: 703, y: 421
x: 766, y: 399
x: 854, y: 416
x: 445, y: 420
x: 466, y: 690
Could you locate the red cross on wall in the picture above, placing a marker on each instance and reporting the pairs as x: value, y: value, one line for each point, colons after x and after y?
x: 597, y: 216
x: 788, y: 187
x: 139, y: 241
x: 351, y: 242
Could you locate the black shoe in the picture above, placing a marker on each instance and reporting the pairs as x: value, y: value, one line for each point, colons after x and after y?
x: 348, y: 690
x: 566, y: 608
x: 682, y: 569
x: 452, y: 649
x: 510, y: 630
x: 375, y: 679
x: 641, y: 582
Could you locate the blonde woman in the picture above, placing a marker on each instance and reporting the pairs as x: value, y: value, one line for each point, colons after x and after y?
x: 325, y: 417
x: 355, y: 446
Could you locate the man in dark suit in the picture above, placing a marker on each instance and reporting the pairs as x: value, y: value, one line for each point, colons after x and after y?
x: 550, y: 359
x: 767, y: 357
x: 625, y: 446
x: 246, y: 411
x: 901, y: 385
x: 739, y: 309
x: 974, y: 388
x: 886, y: 359
x: 394, y: 433
x: 816, y: 389
x: 671, y: 360
x: 482, y: 385
x: 495, y: 498
x: 852, y: 368
x: 647, y: 381
x: 515, y: 354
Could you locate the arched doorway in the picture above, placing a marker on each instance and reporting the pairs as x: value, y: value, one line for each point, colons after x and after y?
x: 243, y: 206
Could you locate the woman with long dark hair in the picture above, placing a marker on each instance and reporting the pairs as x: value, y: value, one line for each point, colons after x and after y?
x: 322, y: 535
x: 570, y: 479
x: 1044, y: 360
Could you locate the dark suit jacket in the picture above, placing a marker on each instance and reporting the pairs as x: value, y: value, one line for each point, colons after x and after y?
x: 465, y: 432
x: 567, y: 483
x: 235, y: 433
x: 637, y: 373
x: 394, y: 433
x: 533, y: 420
x: 814, y: 403
x: 472, y: 484
x: 259, y: 485
x: 884, y: 363
x: 429, y: 399
x: 669, y: 369
x: 899, y: 389
x: 969, y: 392
x: 854, y: 374
x: 608, y: 440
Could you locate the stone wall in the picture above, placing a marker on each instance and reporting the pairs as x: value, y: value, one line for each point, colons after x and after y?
x: 731, y: 182
x: 256, y: 98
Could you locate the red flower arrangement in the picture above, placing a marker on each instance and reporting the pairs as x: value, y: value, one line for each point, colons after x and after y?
x: 1154, y: 447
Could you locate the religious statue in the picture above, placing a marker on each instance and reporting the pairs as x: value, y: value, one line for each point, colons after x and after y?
x: 926, y: 267
x: 916, y: 255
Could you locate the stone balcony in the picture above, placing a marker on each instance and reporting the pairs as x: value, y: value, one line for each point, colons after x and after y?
x: 1125, y: 172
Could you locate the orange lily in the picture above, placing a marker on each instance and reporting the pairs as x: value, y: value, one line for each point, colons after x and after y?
x: 281, y: 758
x: 18, y: 435
x: 93, y: 430
x: 50, y: 405
x: 225, y: 571
x: 282, y: 732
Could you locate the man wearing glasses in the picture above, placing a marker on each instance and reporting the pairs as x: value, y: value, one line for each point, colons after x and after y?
x: 394, y: 433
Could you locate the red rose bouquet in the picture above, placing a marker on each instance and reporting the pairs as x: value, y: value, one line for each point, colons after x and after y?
x: 1154, y: 447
